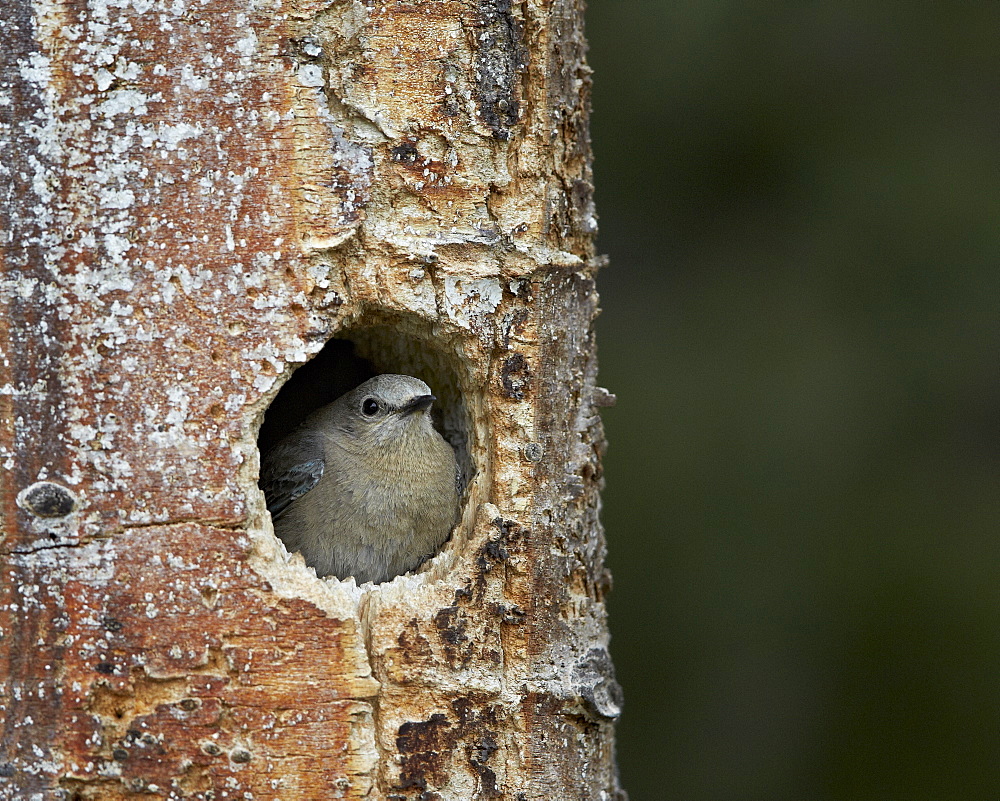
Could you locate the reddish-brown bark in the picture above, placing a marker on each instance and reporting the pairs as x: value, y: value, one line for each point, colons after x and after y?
x: 198, y: 196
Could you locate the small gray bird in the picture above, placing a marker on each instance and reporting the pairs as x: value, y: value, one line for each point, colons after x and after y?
x: 365, y: 487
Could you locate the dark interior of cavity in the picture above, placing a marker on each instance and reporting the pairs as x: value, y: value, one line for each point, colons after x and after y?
x: 329, y: 374
x: 353, y: 358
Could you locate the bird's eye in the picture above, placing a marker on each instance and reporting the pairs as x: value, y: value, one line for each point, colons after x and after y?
x: 369, y: 407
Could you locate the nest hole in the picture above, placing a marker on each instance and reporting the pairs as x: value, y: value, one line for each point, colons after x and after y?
x: 364, y: 351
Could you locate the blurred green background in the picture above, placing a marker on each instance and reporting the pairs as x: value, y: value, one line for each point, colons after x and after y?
x: 800, y: 202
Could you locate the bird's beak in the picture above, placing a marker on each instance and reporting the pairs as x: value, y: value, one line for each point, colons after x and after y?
x: 417, y: 404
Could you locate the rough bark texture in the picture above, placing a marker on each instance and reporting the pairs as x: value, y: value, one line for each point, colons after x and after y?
x: 197, y: 196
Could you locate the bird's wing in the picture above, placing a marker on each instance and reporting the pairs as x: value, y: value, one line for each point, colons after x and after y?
x: 290, y: 469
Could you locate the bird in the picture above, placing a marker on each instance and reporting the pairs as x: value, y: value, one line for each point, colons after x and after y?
x: 365, y: 486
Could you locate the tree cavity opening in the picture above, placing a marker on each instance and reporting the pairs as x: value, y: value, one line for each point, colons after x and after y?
x: 406, y: 346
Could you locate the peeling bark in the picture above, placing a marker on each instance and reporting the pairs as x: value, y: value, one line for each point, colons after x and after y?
x: 197, y: 196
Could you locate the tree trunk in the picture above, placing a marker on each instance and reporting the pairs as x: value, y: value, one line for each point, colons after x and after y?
x: 197, y: 197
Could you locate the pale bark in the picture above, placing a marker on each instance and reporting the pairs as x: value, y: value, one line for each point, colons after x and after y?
x: 197, y: 195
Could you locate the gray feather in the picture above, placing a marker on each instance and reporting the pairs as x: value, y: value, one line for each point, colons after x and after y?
x: 290, y: 469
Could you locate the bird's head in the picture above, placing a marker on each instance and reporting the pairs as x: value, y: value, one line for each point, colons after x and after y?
x: 386, y: 407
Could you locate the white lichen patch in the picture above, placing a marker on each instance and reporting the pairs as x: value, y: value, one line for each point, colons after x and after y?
x: 126, y: 101
x: 246, y: 45
x: 469, y: 302
x: 168, y: 136
x: 37, y: 70
x: 311, y: 75
x: 193, y: 80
